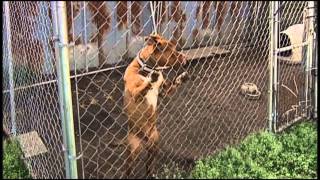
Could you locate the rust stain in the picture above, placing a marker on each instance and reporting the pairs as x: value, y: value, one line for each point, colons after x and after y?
x: 36, y: 56
x: 52, y: 47
x: 184, y: 17
x: 198, y: 10
x: 69, y: 19
x: 235, y: 8
x: 195, y: 32
x: 34, y: 9
x: 75, y: 7
x: 135, y: 17
x: 15, y: 18
x: 176, y: 35
x: 122, y: 8
x: 206, y: 14
x: 176, y: 12
x: 101, y: 17
x: 50, y: 14
x: 221, y: 12
x: 22, y: 17
x: 27, y: 51
x: 180, y: 17
x: 51, y: 42
x: 163, y: 12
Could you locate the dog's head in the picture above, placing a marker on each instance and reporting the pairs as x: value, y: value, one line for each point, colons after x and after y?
x: 162, y: 52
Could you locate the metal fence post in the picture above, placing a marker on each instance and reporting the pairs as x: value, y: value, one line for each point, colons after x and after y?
x: 10, y: 59
x: 65, y: 87
x: 270, y: 89
x: 273, y: 66
x: 315, y: 79
x: 275, y: 61
x: 57, y: 58
x: 309, y: 67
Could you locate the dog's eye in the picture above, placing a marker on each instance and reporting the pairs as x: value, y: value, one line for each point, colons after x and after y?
x: 160, y: 47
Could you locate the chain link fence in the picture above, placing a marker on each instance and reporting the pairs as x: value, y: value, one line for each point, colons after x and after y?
x: 28, y: 29
x: 227, y: 46
x: 205, y: 115
x: 294, y: 100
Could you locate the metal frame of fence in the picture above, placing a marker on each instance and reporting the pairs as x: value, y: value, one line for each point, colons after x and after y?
x: 67, y: 75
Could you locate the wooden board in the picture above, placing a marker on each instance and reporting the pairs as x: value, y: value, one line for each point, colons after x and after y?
x: 288, y: 60
x: 31, y: 144
x: 208, y: 51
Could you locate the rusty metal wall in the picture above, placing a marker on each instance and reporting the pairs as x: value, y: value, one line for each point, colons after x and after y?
x: 122, y: 25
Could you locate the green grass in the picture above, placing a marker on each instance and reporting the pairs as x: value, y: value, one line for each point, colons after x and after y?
x: 13, y: 166
x: 291, y: 154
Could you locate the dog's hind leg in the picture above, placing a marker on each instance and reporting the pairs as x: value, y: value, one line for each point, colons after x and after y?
x: 152, y: 149
x: 135, y: 148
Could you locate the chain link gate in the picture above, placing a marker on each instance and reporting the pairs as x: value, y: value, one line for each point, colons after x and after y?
x: 30, y: 89
x: 228, y: 47
x: 292, y: 75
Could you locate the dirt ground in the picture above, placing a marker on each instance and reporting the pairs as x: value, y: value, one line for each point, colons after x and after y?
x: 292, y: 102
x: 207, y: 114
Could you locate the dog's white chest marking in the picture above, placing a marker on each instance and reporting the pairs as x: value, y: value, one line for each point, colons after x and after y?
x: 152, y: 95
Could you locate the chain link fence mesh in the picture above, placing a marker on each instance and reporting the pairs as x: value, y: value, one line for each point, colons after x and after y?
x: 205, y: 115
x: 227, y: 44
x: 35, y: 89
x: 293, y: 100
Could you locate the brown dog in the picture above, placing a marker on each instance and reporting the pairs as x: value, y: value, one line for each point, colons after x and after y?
x: 143, y: 81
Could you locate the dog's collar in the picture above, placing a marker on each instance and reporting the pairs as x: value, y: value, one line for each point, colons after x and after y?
x: 145, y: 67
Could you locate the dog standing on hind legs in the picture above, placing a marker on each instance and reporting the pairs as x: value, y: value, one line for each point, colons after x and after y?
x: 144, y: 82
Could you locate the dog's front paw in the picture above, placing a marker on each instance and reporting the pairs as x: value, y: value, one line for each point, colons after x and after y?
x: 182, y: 78
x: 154, y: 77
x: 149, y: 79
x: 159, y: 78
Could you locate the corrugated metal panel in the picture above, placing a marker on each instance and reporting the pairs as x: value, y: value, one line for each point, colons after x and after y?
x: 124, y: 35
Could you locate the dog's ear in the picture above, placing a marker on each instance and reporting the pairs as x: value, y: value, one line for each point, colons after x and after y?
x: 151, y: 39
x: 174, y: 42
